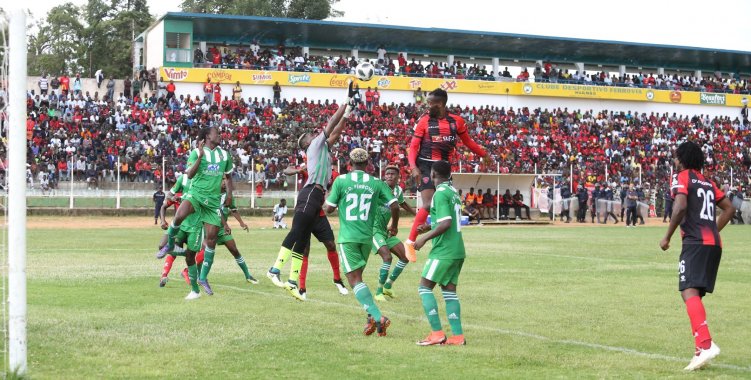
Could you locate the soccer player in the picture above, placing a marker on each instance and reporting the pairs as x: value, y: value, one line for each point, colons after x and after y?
x: 445, y: 259
x: 325, y: 235
x: 359, y: 196
x: 173, y: 197
x: 383, y: 244
x: 207, y: 164
x: 434, y: 139
x: 310, y: 199
x: 694, y: 210
x: 280, y: 210
x: 224, y: 237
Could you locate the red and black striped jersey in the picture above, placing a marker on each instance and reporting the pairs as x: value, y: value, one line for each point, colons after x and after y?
x: 702, y: 195
x: 438, y: 136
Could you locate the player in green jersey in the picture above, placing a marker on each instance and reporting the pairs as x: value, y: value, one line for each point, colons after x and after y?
x: 359, y: 196
x: 383, y: 244
x: 445, y: 259
x: 190, y: 233
x: 224, y: 237
x: 207, y: 165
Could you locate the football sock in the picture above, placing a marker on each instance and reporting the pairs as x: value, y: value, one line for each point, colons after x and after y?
x: 453, y: 311
x: 383, y: 273
x: 303, y: 272
x: 698, y: 317
x: 334, y: 261
x: 430, y: 305
x: 192, y: 274
x: 282, y: 257
x: 208, y: 260
x: 400, y: 265
x: 171, y: 233
x: 296, y: 263
x: 420, y: 219
x: 167, y: 265
x: 199, y: 258
x: 241, y: 263
x: 365, y: 297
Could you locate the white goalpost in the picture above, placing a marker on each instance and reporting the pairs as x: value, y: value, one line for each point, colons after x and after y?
x: 16, y: 206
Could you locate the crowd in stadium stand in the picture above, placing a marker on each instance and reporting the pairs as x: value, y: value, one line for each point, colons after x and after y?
x: 83, y: 136
x: 293, y: 59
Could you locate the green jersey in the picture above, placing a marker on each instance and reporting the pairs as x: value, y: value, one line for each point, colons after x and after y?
x: 383, y: 213
x: 447, y: 205
x: 359, y: 197
x: 182, y: 185
x: 226, y: 210
x: 214, y: 165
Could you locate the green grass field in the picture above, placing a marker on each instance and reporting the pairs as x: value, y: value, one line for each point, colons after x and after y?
x: 537, y: 302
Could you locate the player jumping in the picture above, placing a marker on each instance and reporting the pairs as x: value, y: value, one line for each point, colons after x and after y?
x: 207, y: 164
x: 445, y: 259
x: 383, y: 244
x: 695, y: 198
x: 310, y: 199
x: 434, y: 139
x: 359, y: 196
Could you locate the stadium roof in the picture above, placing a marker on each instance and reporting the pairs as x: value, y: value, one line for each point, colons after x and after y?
x: 438, y: 41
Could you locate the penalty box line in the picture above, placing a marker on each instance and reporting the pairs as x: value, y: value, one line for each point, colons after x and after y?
x: 596, y: 346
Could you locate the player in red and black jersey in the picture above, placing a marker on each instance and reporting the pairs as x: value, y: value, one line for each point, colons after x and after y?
x: 694, y: 210
x: 434, y: 139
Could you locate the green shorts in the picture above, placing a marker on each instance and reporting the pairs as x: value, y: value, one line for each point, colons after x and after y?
x: 192, y: 237
x: 443, y: 271
x: 380, y: 239
x: 353, y: 256
x: 207, y: 208
x: 223, y: 237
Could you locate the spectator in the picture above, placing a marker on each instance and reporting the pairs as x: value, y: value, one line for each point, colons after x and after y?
x: 111, y: 89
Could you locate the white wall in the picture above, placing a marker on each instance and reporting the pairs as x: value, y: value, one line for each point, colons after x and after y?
x: 389, y: 96
x: 154, y: 46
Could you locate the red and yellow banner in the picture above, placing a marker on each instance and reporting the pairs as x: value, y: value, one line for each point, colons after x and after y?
x: 286, y: 78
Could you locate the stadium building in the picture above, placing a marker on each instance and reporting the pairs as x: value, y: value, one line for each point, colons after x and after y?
x: 171, y: 43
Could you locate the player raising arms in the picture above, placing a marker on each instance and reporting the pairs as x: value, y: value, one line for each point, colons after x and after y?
x: 384, y: 244
x: 434, y: 139
x: 207, y: 164
x: 359, y: 196
x: 694, y: 210
x: 310, y: 199
x: 445, y: 259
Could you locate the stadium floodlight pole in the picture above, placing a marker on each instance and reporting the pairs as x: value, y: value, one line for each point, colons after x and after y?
x: 72, y: 172
x: 498, y: 204
x: 17, y: 194
x: 117, y: 197
x: 253, y: 182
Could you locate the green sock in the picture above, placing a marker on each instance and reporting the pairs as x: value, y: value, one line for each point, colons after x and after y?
x: 172, y: 231
x: 241, y: 262
x: 192, y: 274
x: 384, y: 273
x: 208, y: 260
x: 296, y: 264
x: 365, y: 297
x: 395, y: 274
x: 430, y: 305
x: 453, y: 311
x: 282, y: 258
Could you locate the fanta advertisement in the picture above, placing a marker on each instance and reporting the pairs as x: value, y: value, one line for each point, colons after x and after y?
x: 325, y: 80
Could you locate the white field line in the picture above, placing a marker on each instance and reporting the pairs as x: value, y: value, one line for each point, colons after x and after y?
x: 596, y: 346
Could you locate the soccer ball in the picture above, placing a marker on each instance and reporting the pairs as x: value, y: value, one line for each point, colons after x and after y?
x: 364, y: 71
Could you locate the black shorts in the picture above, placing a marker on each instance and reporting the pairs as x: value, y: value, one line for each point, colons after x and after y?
x: 425, y: 182
x: 697, y: 267
x: 310, y: 200
x: 322, y: 229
